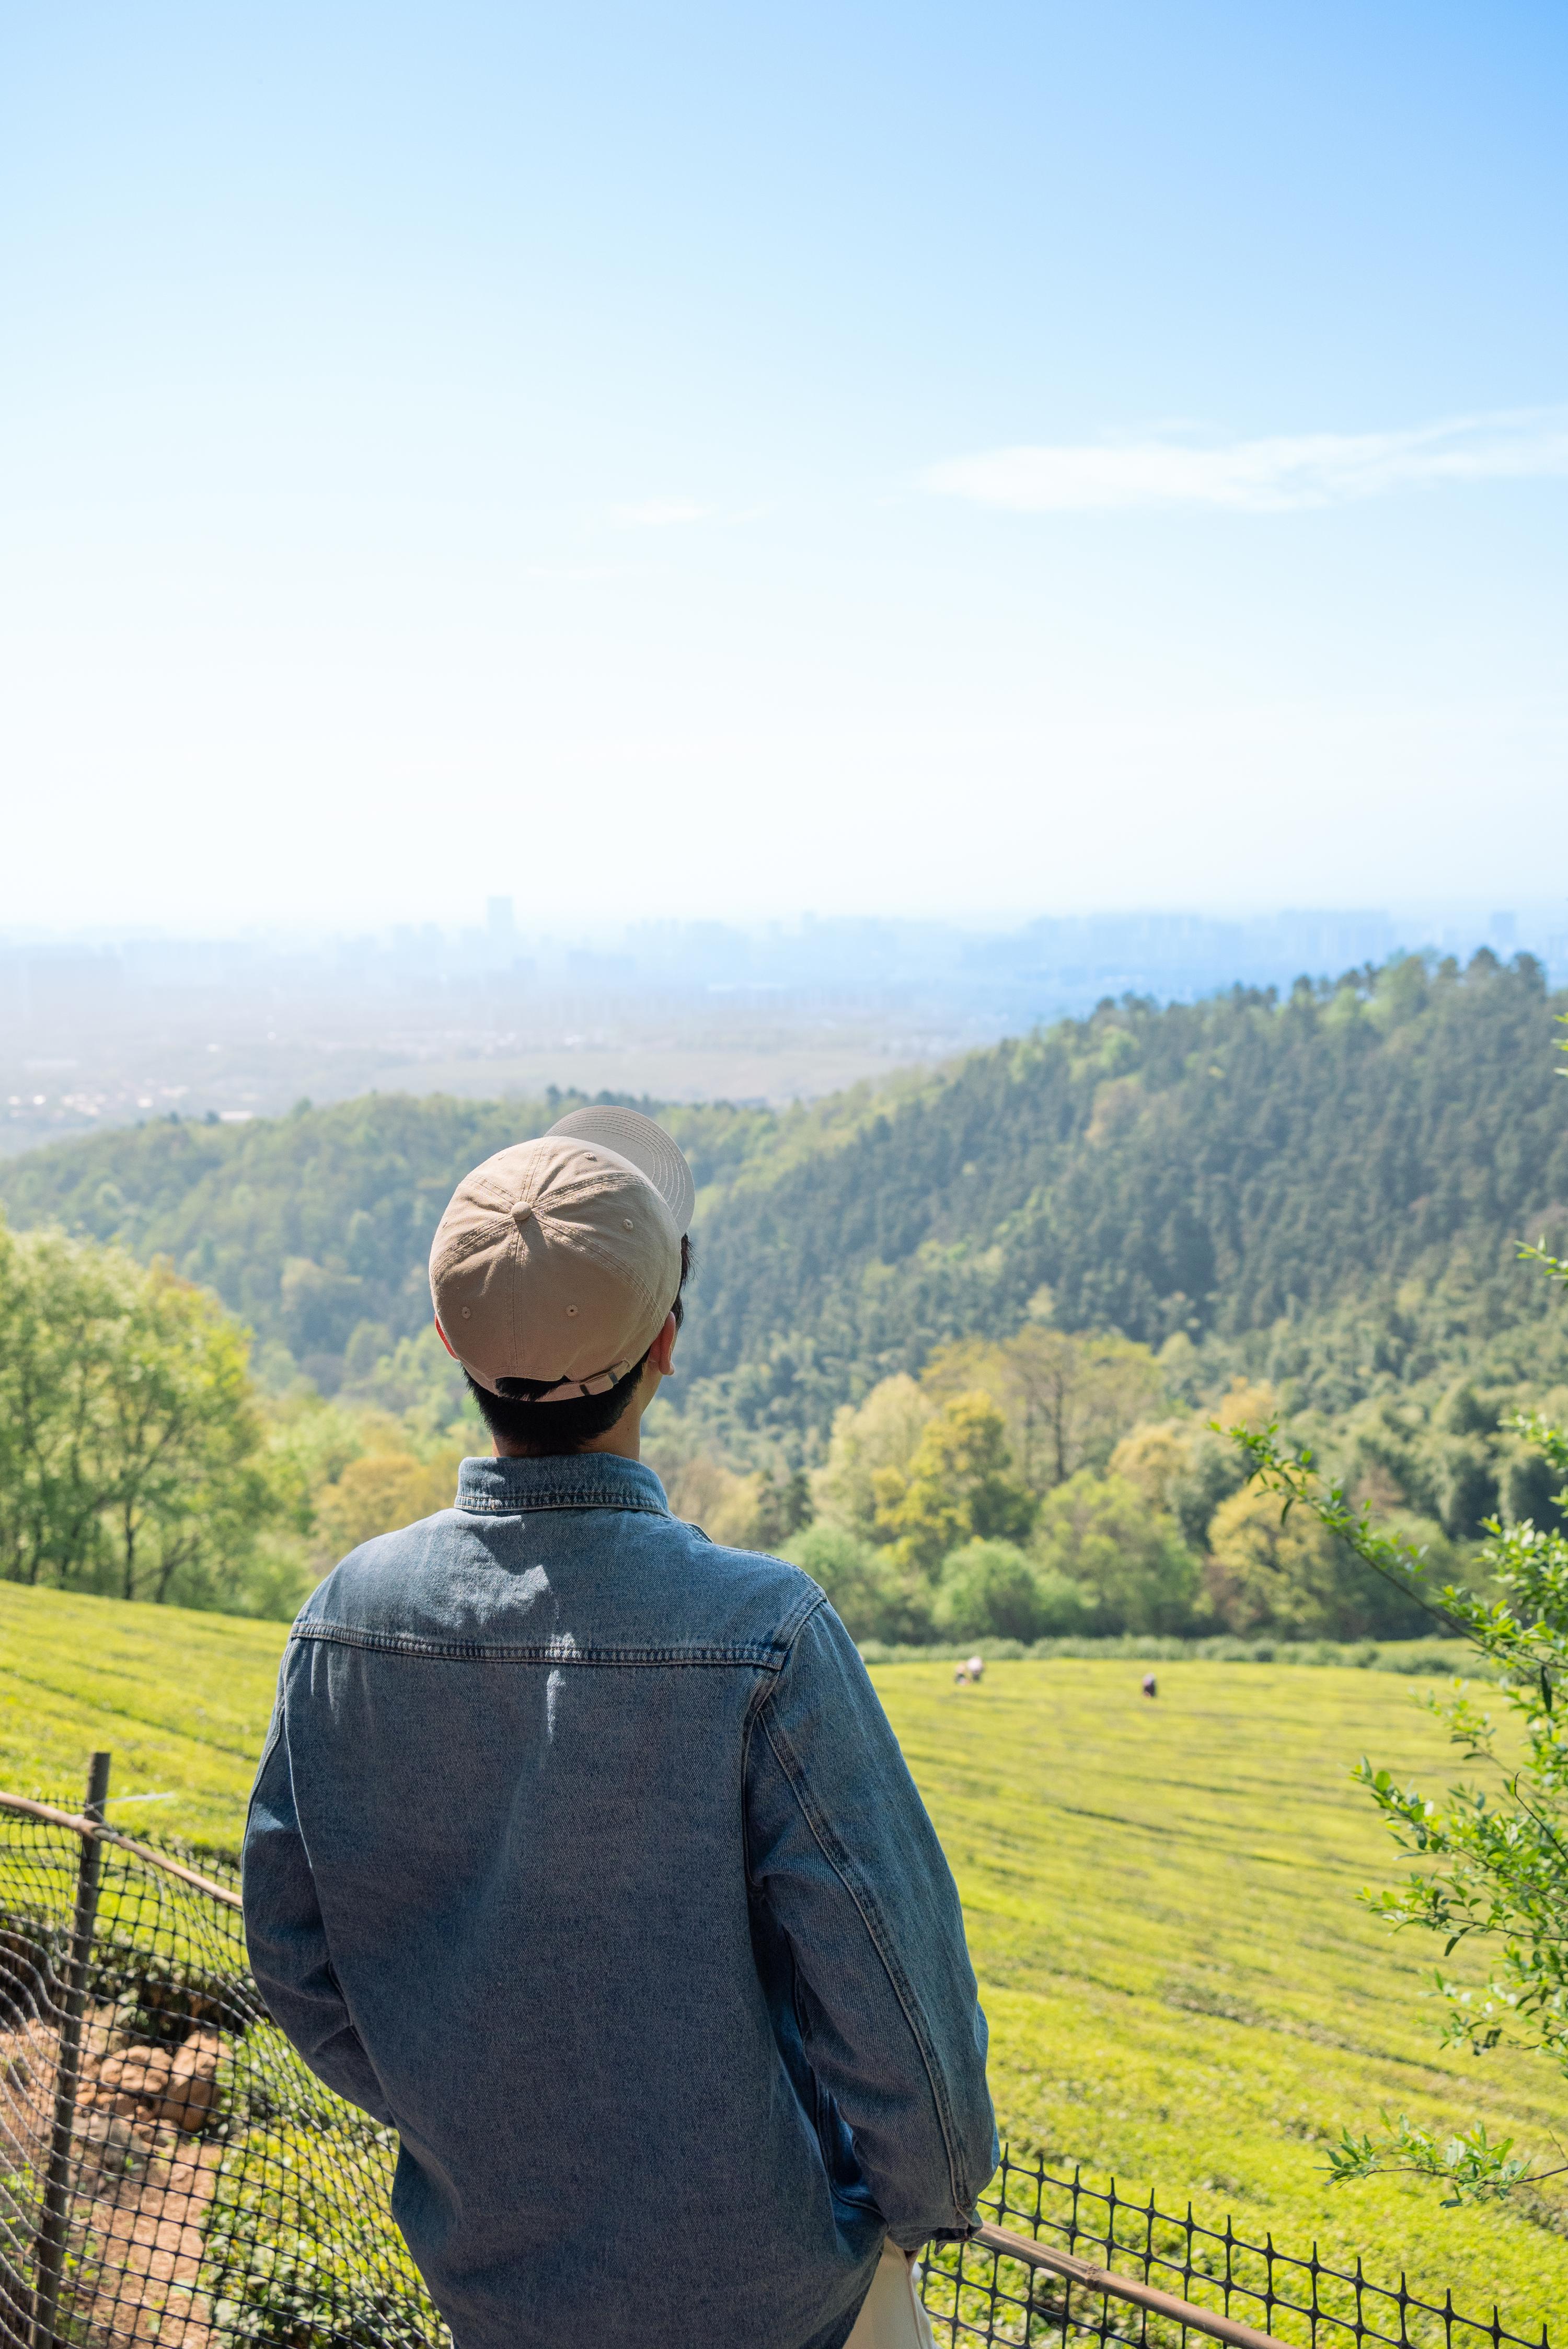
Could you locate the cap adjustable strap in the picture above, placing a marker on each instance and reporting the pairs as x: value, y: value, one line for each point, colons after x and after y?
x: 570, y: 1389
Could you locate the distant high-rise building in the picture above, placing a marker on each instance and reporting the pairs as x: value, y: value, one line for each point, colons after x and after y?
x: 499, y: 919
x: 1503, y: 930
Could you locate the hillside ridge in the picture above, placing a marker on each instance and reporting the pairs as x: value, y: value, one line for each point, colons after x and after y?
x: 1203, y: 1170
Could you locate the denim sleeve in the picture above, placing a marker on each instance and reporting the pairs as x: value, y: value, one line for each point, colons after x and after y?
x: 287, y: 1941
x: 840, y: 1849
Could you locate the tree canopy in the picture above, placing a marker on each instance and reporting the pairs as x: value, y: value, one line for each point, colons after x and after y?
x: 131, y: 1455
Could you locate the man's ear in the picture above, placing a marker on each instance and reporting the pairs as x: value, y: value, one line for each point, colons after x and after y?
x: 443, y: 1337
x: 663, y: 1348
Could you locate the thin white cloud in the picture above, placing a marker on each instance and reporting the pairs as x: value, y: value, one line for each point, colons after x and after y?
x: 659, y: 513
x: 1269, y: 476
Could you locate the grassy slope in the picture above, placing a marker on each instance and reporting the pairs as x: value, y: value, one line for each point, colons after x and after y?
x: 181, y: 1700
x: 1160, y: 1904
x: 1160, y: 1897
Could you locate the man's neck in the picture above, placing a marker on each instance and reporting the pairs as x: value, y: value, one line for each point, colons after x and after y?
x: 624, y: 1439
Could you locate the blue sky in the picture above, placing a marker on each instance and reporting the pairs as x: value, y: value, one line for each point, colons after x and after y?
x: 728, y: 460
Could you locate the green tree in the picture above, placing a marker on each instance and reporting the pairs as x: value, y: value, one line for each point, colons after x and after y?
x: 132, y: 1457
x: 957, y: 1487
x: 377, y: 1494
x: 1186, y: 1468
x: 1073, y: 1398
x: 783, y: 1506
x: 881, y: 1432
x: 1294, y: 1577
x: 1101, y: 1534
x: 57, y: 1300
x: 186, y: 1490
x: 992, y: 1590
x: 1066, y: 1400
x: 874, y: 1596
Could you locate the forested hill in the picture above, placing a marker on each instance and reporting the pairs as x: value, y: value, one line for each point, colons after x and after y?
x: 1212, y: 1167
x: 318, y: 1224
x: 1216, y: 1167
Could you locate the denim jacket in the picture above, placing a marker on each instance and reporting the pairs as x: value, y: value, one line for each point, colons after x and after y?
x: 581, y: 1853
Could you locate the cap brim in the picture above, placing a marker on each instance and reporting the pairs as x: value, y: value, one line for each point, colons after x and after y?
x: 648, y: 1147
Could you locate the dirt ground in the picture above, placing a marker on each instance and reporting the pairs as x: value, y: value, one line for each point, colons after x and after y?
x: 142, y: 2175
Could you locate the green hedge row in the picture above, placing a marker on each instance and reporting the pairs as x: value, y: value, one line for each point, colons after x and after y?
x: 1423, y: 1659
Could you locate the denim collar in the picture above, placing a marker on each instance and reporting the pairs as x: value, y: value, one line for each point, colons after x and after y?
x: 574, y: 1480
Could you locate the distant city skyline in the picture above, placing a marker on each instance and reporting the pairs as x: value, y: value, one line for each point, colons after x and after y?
x: 1437, y: 922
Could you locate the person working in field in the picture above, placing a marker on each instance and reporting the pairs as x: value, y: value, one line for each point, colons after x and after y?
x: 582, y: 1854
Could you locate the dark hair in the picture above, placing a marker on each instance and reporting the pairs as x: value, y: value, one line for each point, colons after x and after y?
x: 540, y: 1430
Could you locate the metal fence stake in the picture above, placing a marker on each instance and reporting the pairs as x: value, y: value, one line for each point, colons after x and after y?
x: 52, y: 2229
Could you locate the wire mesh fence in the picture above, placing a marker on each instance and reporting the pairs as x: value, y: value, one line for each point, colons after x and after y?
x: 983, y: 2291
x: 171, y: 2173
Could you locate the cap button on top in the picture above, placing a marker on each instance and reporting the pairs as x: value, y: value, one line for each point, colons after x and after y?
x: 521, y: 1213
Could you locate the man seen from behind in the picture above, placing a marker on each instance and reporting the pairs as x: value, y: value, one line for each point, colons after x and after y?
x: 582, y: 1854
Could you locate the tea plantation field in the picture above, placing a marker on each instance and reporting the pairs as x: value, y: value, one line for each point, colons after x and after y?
x: 1161, y: 1903
x: 1181, y: 1987
x: 181, y: 1700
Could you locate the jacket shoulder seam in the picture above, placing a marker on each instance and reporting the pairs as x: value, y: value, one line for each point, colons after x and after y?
x: 757, y: 1655
x: 811, y: 1599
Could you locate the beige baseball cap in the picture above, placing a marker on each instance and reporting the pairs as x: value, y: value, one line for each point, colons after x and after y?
x: 557, y: 1260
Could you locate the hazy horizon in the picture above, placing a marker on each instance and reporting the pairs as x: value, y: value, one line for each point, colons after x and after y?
x: 1418, y: 922
x: 99, y: 1032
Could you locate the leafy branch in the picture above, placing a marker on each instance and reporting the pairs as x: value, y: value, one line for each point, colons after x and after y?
x: 1472, y: 2164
